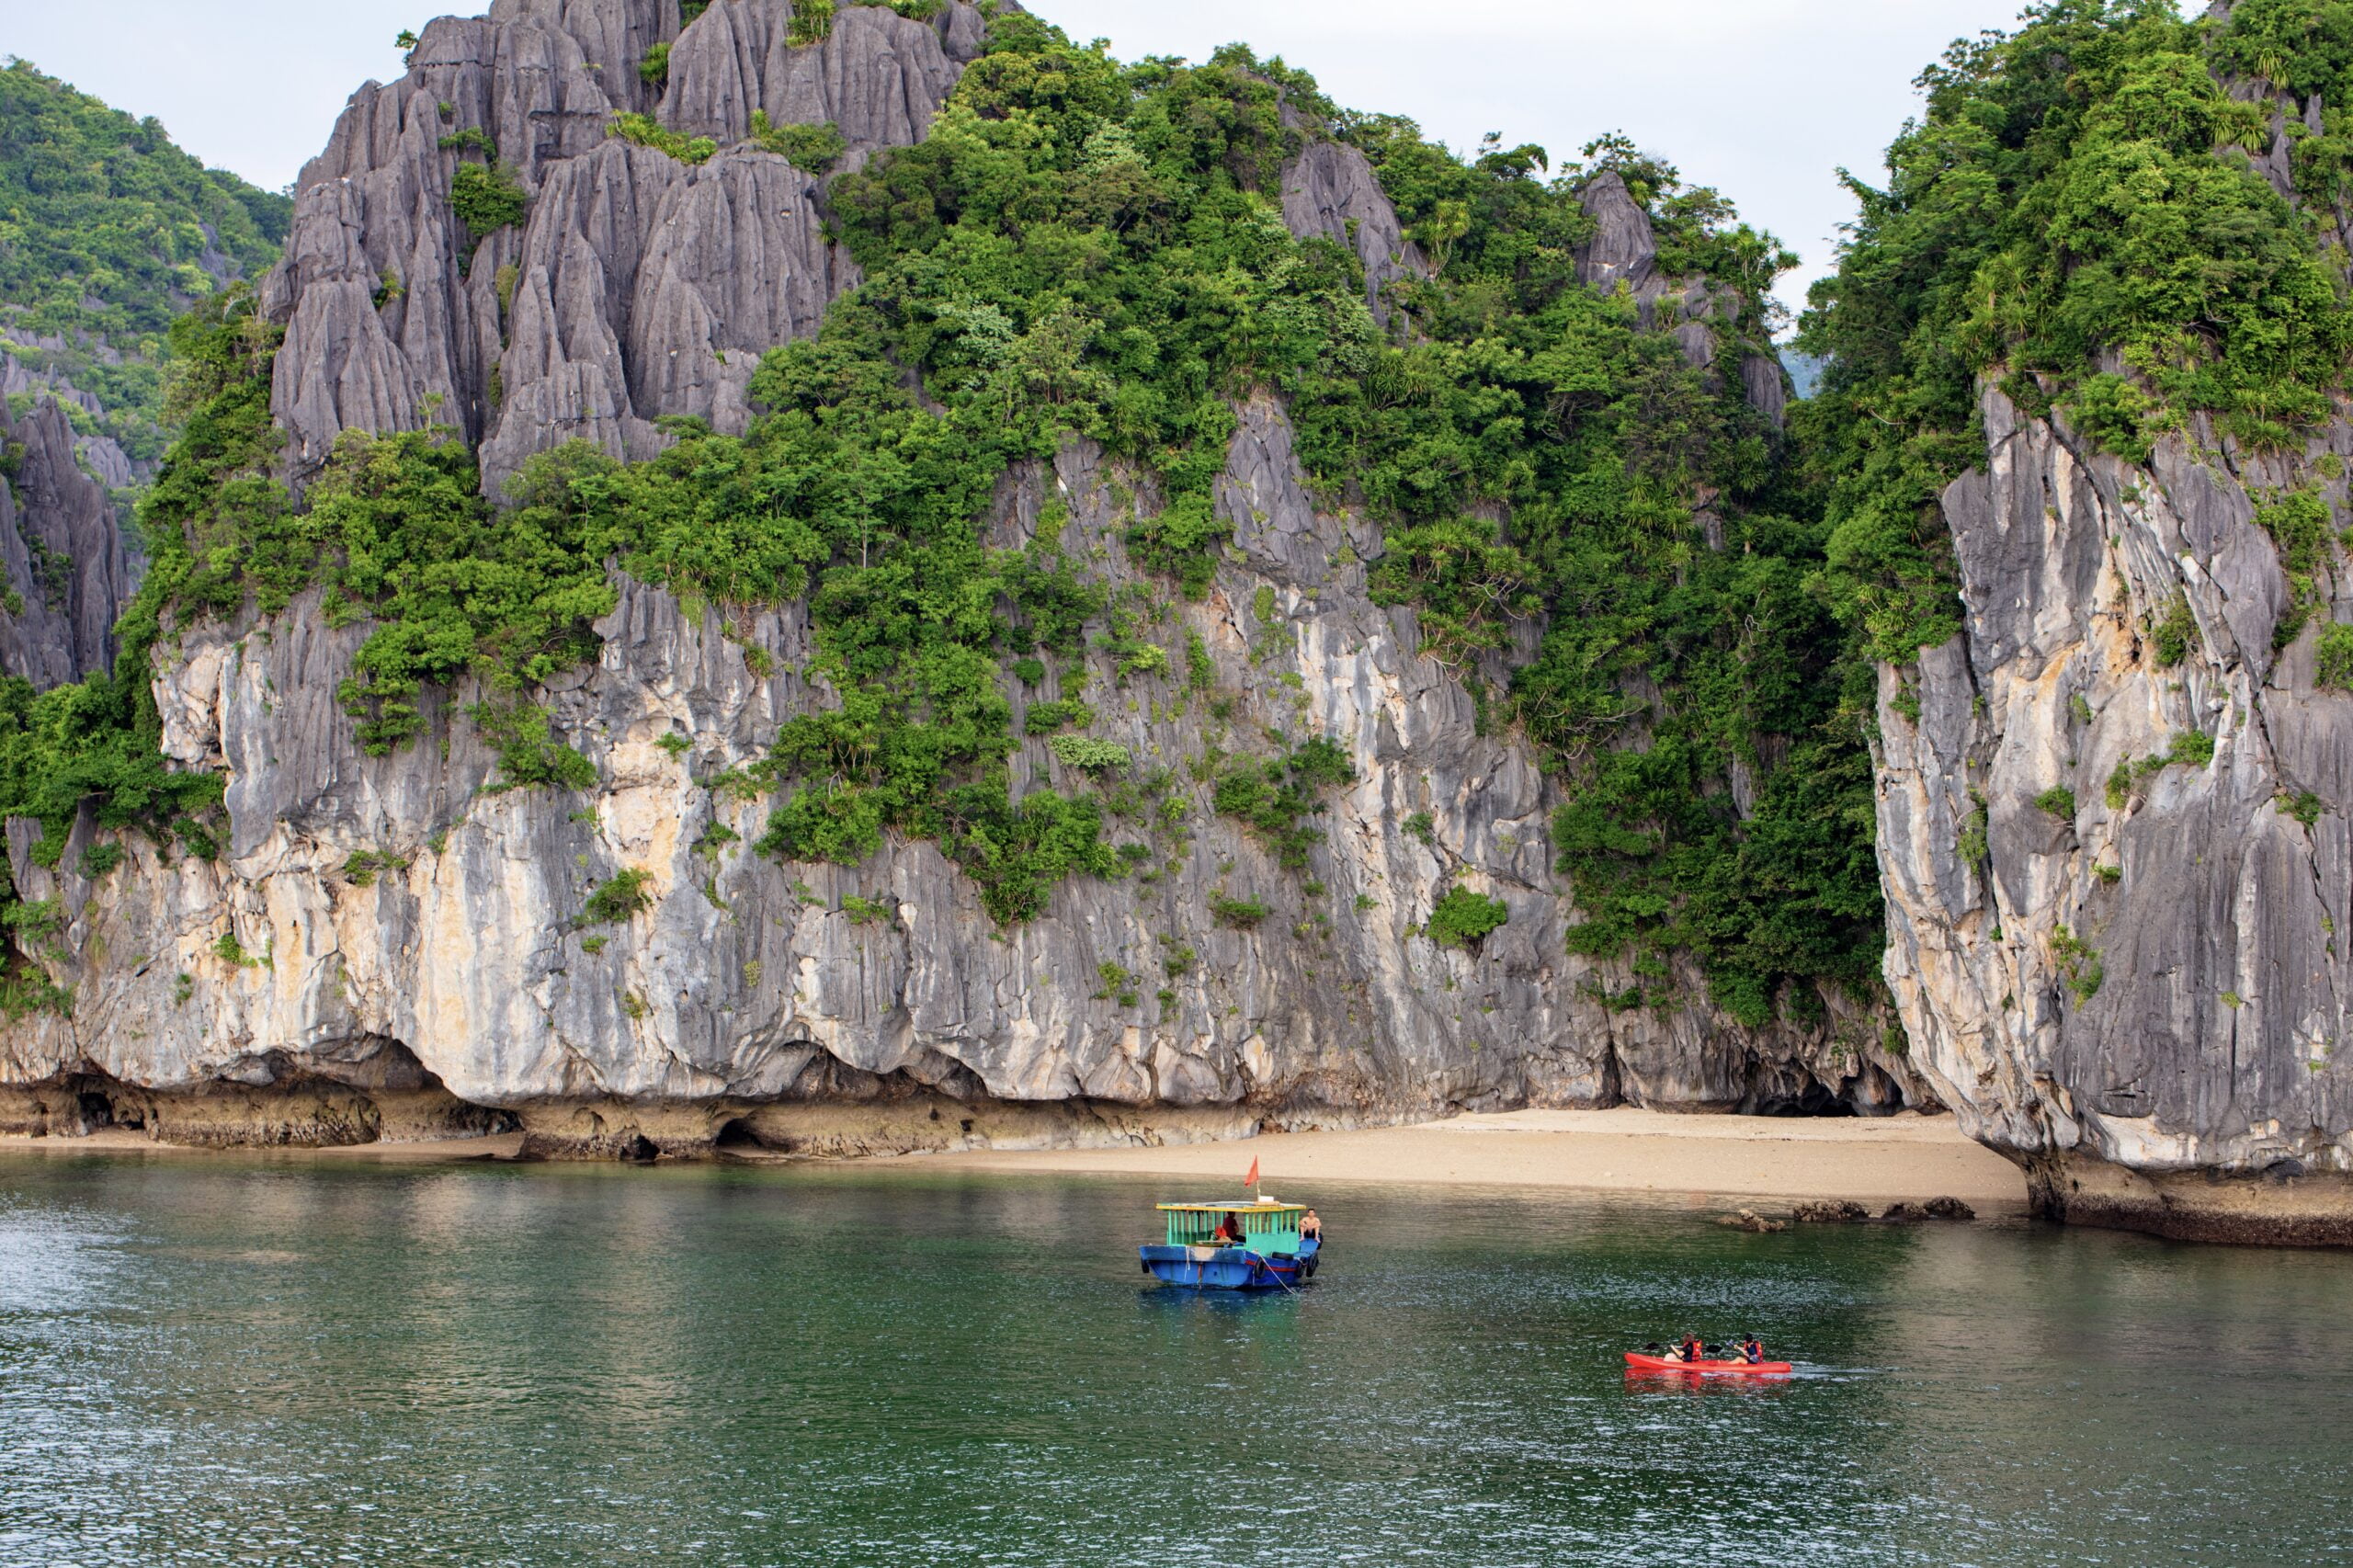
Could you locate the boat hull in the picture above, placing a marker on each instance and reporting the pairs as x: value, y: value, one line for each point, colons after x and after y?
x: 1642, y: 1363
x: 1229, y: 1268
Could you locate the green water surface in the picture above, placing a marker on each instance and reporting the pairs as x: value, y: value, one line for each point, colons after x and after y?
x: 234, y: 1360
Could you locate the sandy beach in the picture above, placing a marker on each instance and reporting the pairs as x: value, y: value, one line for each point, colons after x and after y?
x: 1875, y: 1161
x: 1626, y: 1150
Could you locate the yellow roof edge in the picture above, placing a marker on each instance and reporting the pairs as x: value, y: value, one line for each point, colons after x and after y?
x: 1236, y: 1205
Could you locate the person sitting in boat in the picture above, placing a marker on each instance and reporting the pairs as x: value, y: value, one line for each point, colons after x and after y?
x: 1229, y: 1229
x: 1752, y: 1350
x: 1311, y: 1229
x: 1695, y: 1348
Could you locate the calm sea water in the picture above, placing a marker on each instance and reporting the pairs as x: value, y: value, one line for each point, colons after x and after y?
x: 208, y: 1360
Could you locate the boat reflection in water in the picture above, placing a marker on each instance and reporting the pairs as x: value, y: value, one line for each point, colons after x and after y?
x: 1251, y: 1244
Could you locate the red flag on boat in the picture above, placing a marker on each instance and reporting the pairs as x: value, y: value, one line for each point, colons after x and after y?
x: 1252, y: 1180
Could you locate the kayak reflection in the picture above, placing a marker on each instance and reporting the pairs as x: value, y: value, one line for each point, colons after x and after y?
x: 1661, y: 1383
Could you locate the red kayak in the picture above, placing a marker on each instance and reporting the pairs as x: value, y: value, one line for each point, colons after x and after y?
x: 1642, y: 1363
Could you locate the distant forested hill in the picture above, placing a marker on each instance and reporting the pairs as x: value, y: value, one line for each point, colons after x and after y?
x: 107, y: 230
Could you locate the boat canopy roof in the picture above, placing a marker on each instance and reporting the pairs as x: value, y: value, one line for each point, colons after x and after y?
x: 1257, y: 1205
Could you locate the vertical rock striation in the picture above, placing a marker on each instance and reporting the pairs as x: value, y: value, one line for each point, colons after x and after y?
x: 2114, y: 810
x: 391, y: 945
x: 66, y: 574
x: 1330, y: 191
x: 877, y: 77
x: 637, y: 287
x: 2115, y: 841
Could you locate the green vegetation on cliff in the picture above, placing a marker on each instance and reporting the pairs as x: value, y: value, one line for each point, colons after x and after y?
x: 1671, y: 664
x: 1680, y: 607
x: 1082, y: 246
x: 107, y: 232
x: 2061, y: 221
x: 97, y: 746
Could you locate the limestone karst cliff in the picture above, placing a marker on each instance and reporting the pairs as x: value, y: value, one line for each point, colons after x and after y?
x: 2113, y: 804
x: 393, y: 939
x: 62, y: 552
x: 2137, y: 990
x: 868, y: 577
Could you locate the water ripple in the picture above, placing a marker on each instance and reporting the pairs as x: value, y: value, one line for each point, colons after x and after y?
x: 238, y: 1361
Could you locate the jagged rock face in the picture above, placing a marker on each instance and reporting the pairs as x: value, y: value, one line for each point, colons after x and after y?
x: 2204, y: 1070
x: 637, y: 287
x: 746, y: 993
x: 102, y: 456
x: 613, y: 36
x: 1330, y: 190
x: 1623, y: 253
x: 1624, y: 249
x: 62, y: 555
x: 373, y: 222
x: 877, y: 77
x: 650, y: 288
x: 392, y: 944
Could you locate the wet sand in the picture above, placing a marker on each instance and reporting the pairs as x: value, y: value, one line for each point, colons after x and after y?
x: 124, y: 1140
x: 1874, y: 1161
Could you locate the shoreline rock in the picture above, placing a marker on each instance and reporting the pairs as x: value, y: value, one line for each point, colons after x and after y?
x: 1749, y: 1220
x: 1835, y: 1211
x: 1844, y: 1211
x: 2279, y: 1208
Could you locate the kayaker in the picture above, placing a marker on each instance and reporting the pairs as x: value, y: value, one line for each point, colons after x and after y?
x: 1695, y: 1348
x: 1752, y: 1350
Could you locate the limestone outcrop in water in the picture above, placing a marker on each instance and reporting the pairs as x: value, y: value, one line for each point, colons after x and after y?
x: 2117, y: 862
x: 2111, y: 789
x: 399, y: 924
x: 2114, y: 808
x: 389, y: 944
x: 382, y: 900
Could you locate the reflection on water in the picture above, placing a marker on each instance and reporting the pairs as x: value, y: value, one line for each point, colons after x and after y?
x: 215, y: 1360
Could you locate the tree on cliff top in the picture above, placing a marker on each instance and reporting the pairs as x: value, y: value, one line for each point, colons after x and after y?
x: 108, y: 232
x: 1085, y: 247
x: 2063, y: 200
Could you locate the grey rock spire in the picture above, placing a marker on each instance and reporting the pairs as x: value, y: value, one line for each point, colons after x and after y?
x: 62, y: 554
x: 637, y: 286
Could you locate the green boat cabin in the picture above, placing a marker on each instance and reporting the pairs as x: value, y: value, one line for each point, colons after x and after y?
x: 1268, y: 1228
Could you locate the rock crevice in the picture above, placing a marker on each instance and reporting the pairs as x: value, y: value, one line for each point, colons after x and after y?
x: 63, y: 565
x: 2117, y: 877
x: 401, y: 898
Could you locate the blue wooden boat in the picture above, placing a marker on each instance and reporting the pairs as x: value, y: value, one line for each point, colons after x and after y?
x: 1253, y: 1245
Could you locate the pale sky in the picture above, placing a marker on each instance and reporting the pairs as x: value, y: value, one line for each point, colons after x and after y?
x: 1762, y: 98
